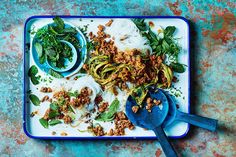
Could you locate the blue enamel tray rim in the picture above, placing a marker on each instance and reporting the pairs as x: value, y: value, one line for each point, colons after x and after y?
x: 97, y: 137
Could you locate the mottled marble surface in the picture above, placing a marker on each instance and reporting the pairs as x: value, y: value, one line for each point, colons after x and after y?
x: 213, y: 29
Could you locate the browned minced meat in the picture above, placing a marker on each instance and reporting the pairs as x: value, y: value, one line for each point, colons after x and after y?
x: 151, y: 24
x: 85, y: 67
x: 46, y: 114
x: 108, y: 24
x: 144, y: 69
x: 61, y: 94
x: 157, y: 102
x: 83, y: 98
x: 103, y: 106
x: 67, y: 119
x: 45, y: 98
x: 101, y: 27
x: 151, y: 102
x: 174, y: 79
x: 111, y: 132
x: 122, y: 122
x: 46, y: 89
x: 98, y: 99
x: 135, y: 109
x: 98, y: 131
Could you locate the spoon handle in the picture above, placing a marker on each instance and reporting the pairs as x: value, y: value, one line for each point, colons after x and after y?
x: 166, y: 146
x: 203, y: 122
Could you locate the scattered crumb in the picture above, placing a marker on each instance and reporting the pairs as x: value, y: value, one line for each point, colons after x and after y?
x: 64, y: 133
x: 33, y: 113
x: 45, y: 98
x: 54, y: 133
x: 108, y: 24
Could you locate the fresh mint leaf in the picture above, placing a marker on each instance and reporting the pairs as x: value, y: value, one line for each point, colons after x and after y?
x: 110, y: 114
x: 39, y: 49
x: 32, y: 71
x: 42, y: 59
x: 54, y: 106
x: 177, y: 67
x: 53, y: 114
x: 43, y: 122
x: 59, y: 24
x: 169, y: 31
x: 34, y: 99
x: 54, y: 122
x: 34, y: 80
x: 55, y: 74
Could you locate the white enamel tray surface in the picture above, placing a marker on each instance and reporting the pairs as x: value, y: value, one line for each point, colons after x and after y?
x: 34, y: 129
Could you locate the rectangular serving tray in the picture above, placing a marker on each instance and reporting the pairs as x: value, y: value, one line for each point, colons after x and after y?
x: 32, y: 127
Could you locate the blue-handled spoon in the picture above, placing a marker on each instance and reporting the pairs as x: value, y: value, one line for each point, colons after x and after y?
x: 152, y: 120
x: 176, y: 115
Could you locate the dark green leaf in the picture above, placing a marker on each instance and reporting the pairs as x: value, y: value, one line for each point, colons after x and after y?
x: 53, y: 114
x: 177, y: 67
x: 34, y: 99
x: 55, y: 74
x: 54, y: 122
x: 54, y: 106
x: 59, y: 23
x: 73, y: 94
x: 110, y: 114
x: 43, y: 122
x: 34, y: 80
x: 39, y: 49
x: 32, y: 71
x: 169, y: 31
x: 42, y: 59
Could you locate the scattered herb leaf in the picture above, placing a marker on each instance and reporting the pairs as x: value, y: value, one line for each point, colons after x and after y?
x: 110, y: 114
x: 34, y: 99
x: 32, y: 71
x: 177, y: 67
x: 54, y: 122
x: 43, y: 122
x: 55, y: 74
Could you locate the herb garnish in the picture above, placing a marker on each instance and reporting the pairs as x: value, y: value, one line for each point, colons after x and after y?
x: 43, y: 122
x: 34, y: 99
x: 48, y: 43
x: 54, y: 122
x: 166, y: 45
x: 110, y: 114
x: 33, y: 71
x: 55, y: 74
